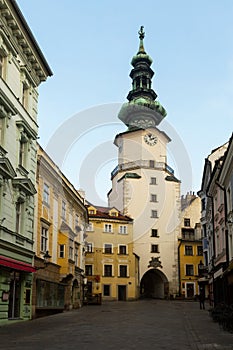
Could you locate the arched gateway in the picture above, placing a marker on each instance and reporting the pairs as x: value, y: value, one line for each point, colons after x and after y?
x: 154, y: 284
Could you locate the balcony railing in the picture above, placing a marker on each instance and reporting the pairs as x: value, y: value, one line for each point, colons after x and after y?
x: 142, y: 164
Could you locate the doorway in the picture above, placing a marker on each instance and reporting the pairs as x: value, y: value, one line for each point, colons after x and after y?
x: 122, y: 293
x: 190, y: 290
x: 14, y: 296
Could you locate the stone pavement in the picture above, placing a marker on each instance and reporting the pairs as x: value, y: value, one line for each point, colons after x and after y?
x: 147, y: 324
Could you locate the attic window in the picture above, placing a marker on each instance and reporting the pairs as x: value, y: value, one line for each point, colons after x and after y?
x: 91, y: 211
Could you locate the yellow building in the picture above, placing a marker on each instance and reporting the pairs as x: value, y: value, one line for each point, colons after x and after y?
x: 190, y: 251
x: 60, y: 225
x: 111, y: 267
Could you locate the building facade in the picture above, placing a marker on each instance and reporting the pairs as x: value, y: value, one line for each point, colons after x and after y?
x: 112, y: 268
x: 225, y: 181
x: 144, y: 186
x: 190, y: 250
x: 22, y: 69
x: 213, y: 224
x: 60, y: 233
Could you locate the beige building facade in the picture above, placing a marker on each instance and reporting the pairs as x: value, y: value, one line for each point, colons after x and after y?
x: 112, y: 268
x: 61, y: 221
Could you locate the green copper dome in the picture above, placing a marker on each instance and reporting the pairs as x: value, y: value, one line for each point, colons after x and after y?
x: 142, y: 110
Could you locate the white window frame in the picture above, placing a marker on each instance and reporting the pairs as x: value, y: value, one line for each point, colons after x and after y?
x: 108, y: 245
x: 62, y: 251
x: 90, y: 227
x: 91, y: 269
x: 127, y: 270
x: 71, y: 249
x: 108, y: 228
x: 46, y: 193
x: 63, y: 210
x: 44, y: 238
x: 126, y: 249
x: 123, y: 229
x: 112, y: 275
x: 89, y: 247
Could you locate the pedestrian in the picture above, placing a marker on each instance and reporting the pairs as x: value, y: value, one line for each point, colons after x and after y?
x: 202, y: 299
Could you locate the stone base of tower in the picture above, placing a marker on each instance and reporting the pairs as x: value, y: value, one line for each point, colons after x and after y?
x: 154, y: 284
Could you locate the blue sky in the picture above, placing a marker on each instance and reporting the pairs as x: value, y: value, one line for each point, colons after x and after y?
x: 89, y: 46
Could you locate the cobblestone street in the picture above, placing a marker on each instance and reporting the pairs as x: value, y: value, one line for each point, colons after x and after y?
x: 149, y: 324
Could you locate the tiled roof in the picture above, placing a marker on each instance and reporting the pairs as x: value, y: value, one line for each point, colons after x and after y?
x: 103, y: 213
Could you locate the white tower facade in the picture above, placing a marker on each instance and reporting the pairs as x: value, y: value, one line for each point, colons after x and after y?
x: 144, y: 186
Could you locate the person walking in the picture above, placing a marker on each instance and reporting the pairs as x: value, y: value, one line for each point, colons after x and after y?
x: 202, y: 299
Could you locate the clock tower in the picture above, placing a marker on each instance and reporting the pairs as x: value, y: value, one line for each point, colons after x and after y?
x: 144, y: 185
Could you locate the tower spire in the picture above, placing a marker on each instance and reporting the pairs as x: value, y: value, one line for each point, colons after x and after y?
x: 141, y: 37
x: 142, y: 110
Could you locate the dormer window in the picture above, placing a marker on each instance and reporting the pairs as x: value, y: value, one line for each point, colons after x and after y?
x: 113, y: 212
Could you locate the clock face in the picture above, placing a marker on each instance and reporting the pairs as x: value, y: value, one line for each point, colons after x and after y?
x: 150, y: 139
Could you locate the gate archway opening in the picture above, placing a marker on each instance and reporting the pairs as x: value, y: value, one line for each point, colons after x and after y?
x: 154, y: 284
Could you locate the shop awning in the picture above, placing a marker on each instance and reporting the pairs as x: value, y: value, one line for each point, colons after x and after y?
x: 16, y: 265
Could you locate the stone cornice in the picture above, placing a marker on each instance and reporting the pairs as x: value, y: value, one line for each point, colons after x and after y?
x: 22, y: 39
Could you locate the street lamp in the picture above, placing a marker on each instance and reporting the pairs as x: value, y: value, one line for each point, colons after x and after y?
x: 47, y: 257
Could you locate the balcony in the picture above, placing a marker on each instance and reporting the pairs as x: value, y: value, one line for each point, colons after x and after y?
x: 138, y: 164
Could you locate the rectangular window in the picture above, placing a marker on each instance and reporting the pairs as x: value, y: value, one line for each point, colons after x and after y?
x: 154, y: 232
x: 25, y: 96
x: 106, y: 290
x: 18, y: 216
x: 189, y: 270
x: 199, y: 250
x: 108, y: 270
x: 71, y: 249
x: 63, y: 210
x: 46, y: 194
x: 186, y: 222
x: 92, y: 212
x: 108, y: 248
x: 89, y: 247
x: 203, y: 204
x: 76, y: 256
x: 122, y: 249
x: 90, y: 227
x: 88, y: 270
x: 107, y: 228
x: 154, y: 248
x: 153, y: 198
x: 61, y: 250
x: 188, y: 250
x: 151, y: 163
x: 153, y: 181
x: 44, y: 239
x: 22, y: 153
x: 2, y: 66
x: 123, y: 229
x: 123, y: 270
x: 154, y: 213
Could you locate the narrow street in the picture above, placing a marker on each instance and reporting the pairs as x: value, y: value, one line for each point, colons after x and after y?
x: 149, y: 324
